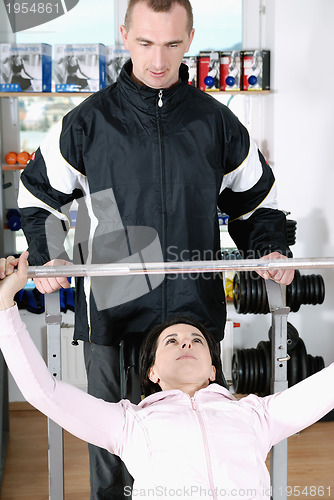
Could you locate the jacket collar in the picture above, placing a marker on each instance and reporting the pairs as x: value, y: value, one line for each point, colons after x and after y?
x: 165, y: 395
x: 146, y: 98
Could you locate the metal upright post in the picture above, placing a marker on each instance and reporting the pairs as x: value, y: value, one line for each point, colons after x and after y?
x: 4, y: 414
x: 55, y: 432
x: 9, y: 142
x: 279, y: 382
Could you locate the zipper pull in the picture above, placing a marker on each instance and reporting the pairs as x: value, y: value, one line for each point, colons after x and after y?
x: 160, y: 103
x: 193, y: 403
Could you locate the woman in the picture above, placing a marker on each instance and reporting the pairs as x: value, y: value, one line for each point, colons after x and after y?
x: 19, y: 74
x: 191, y: 438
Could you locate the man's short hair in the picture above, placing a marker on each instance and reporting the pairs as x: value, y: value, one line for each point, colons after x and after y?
x: 160, y: 6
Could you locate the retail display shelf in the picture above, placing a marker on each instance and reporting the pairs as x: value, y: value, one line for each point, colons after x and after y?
x: 45, y: 94
x: 86, y: 94
x: 16, y: 166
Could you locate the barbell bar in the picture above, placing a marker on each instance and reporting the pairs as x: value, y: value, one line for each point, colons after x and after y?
x: 204, y: 266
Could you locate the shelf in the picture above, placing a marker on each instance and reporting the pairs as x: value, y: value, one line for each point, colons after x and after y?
x: 86, y: 94
x: 17, y: 166
x: 45, y: 94
x: 238, y: 92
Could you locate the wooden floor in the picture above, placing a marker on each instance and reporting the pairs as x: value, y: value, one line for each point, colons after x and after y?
x: 311, y: 461
x: 26, y: 468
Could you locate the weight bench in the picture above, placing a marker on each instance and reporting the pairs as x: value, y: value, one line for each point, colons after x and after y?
x: 279, y: 382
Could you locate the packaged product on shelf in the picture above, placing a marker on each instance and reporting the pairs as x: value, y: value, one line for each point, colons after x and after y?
x: 256, y: 70
x: 79, y: 67
x: 230, y: 70
x: 209, y: 71
x: 115, y: 58
x: 191, y: 62
x: 25, y: 67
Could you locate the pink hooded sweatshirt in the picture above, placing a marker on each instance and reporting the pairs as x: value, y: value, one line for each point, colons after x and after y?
x: 209, y: 446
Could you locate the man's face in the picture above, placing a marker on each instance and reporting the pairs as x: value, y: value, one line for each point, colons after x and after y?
x: 157, y: 42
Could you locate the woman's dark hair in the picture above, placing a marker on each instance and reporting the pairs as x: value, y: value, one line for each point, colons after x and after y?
x: 149, y: 346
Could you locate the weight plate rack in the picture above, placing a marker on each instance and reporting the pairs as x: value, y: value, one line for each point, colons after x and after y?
x: 250, y: 295
x: 257, y: 368
x: 251, y: 368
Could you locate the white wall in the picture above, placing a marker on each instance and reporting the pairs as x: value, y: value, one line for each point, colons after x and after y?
x: 297, y: 129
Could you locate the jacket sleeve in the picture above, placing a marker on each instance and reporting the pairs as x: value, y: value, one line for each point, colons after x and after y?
x: 301, y: 405
x: 248, y: 195
x: 85, y: 416
x: 48, y: 185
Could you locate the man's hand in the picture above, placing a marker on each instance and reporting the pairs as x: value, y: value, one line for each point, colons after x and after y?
x: 281, y: 276
x: 11, y: 282
x: 49, y: 285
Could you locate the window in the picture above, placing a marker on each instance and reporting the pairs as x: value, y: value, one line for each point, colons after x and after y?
x: 218, y: 25
x: 87, y: 22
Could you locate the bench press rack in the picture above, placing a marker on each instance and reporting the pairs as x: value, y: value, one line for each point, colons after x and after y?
x: 279, y: 354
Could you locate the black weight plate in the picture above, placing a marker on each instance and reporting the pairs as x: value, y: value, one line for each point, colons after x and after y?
x: 243, y: 380
x: 304, y: 284
x: 248, y: 366
x: 259, y: 295
x: 311, y: 281
x: 322, y: 289
x: 247, y: 370
x: 299, y: 292
x: 316, y: 290
x: 291, y: 225
x: 316, y: 366
x: 307, y: 290
x: 292, y: 368
x: 256, y: 370
x: 302, y: 360
x: 267, y: 309
x: 253, y: 298
x: 243, y: 293
x: 264, y: 300
x: 253, y: 368
x: 288, y: 294
x: 236, y: 292
x: 320, y: 364
x: 292, y: 336
x: 268, y: 365
x: 296, y: 302
x: 237, y: 371
x: 263, y: 367
x: 311, y: 365
x: 248, y: 292
x: 292, y: 295
x: 265, y: 347
x: 319, y: 289
x: 262, y: 371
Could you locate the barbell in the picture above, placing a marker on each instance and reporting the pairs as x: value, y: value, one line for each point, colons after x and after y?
x: 204, y: 266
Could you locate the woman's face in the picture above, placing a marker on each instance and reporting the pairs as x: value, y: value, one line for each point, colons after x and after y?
x: 182, y: 360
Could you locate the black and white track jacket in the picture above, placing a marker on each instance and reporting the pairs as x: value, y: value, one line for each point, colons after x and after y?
x: 148, y: 169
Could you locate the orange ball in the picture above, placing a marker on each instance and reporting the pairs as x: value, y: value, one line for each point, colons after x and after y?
x: 23, y: 157
x: 11, y: 158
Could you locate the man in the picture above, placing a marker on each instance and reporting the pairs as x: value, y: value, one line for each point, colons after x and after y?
x: 148, y: 152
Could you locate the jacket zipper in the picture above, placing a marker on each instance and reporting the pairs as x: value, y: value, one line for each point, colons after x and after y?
x: 206, y: 447
x: 163, y: 194
x: 160, y: 103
